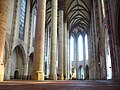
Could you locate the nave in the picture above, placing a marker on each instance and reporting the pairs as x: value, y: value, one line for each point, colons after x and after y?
x: 60, y: 44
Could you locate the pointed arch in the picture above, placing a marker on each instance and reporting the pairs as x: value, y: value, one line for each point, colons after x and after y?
x: 17, y: 63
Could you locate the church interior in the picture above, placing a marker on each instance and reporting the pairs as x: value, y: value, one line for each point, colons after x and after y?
x: 74, y: 44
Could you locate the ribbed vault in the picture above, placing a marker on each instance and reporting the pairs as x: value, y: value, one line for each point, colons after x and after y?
x: 76, y: 14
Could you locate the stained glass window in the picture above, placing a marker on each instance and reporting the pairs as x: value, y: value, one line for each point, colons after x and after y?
x: 80, y: 46
x: 22, y: 19
x: 86, y: 46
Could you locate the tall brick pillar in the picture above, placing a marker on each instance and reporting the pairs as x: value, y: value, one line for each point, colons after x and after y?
x: 60, y: 46
x: 38, y: 73
x: 65, y: 63
x: 53, y: 41
x: 3, y: 24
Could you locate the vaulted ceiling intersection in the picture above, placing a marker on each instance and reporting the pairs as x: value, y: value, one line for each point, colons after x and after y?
x: 76, y: 12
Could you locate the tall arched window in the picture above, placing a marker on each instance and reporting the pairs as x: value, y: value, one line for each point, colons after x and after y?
x: 80, y: 46
x: 103, y: 8
x: 71, y: 49
x: 108, y: 57
x: 108, y: 63
x: 34, y: 26
x: 22, y: 19
x: 86, y: 47
x: 34, y: 20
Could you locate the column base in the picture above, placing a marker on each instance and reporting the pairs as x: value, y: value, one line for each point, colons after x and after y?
x: 38, y: 75
x: 116, y: 78
x: 24, y: 77
x: 1, y: 72
x: 53, y: 77
x: 60, y: 77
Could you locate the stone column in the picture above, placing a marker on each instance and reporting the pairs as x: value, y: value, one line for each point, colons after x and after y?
x: 92, y: 49
x: 74, y: 61
x: 101, y: 44
x: 96, y: 66
x: 84, y: 55
x: 48, y: 51
x: 68, y: 56
x: 65, y: 51
x: 76, y: 53
x: 3, y: 24
x: 25, y: 68
x: 38, y: 73
x: 113, y: 40
x: 9, y: 67
x: 100, y: 14
x: 53, y: 40
x: 60, y: 46
x: 45, y: 55
x: 101, y: 50
x: 77, y: 56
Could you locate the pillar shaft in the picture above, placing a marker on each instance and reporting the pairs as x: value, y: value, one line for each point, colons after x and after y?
x: 76, y: 53
x: 113, y: 40
x: 38, y: 73
x: 3, y: 24
x: 65, y: 51
x: 92, y: 58
x: 101, y: 49
x: 25, y: 70
x: 68, y: 56
x: 48, y: 51
x: 84, y: 55
x: 100, y: 14
x: 60, y: 46
x: 94, y: 42
x: 53, y: 40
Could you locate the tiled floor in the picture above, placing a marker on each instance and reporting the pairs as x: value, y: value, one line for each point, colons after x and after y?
x: 59, y: 85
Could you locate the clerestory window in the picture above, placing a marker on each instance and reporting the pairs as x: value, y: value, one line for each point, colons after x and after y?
x: 22, y: 19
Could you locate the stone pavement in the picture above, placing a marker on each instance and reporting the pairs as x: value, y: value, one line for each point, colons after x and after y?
x: 60, y: 85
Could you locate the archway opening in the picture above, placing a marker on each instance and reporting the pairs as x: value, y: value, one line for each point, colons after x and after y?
x: 17, y: 64
x: 16, y: 74
x: 87, y: 73
x: 81, y: 73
